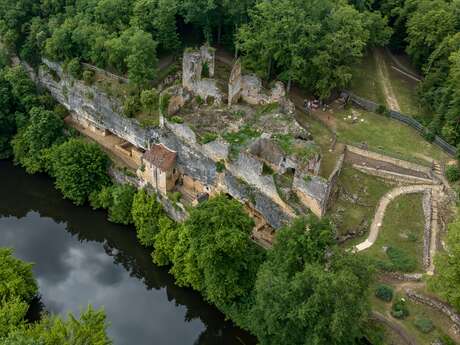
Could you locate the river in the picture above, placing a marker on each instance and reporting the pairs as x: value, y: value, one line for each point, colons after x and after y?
x: 80, y: 258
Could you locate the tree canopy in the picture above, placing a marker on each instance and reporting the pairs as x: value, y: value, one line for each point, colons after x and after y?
x: 308, y: 292
x: 79, y: 168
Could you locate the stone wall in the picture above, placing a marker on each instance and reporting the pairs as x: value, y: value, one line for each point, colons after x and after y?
x: 312, y: 192
x: 427, y: 211
x: 436, y: 304
x: 192, y: 70
x: 394, y: 161
x: 235, y: 84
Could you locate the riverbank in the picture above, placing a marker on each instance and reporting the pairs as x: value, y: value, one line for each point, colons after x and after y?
x: 81, y: 258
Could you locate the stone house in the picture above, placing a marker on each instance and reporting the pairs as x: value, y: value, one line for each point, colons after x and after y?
x: 159, y: 168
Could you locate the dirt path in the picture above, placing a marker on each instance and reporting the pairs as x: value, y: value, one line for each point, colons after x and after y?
x: 395, y: 327
x: 390, y: 97
x: 381, y: 209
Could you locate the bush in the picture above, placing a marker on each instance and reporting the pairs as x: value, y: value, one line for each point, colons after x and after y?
x: 74, y: 68
x: 399, y: 309
x: 428, y: 135
x: 400, y: 260
x: 220, y: 166
x: 424, y: 325
x: 131, y: 106
x: 150, y: 101
x: 453, y: 173
x: 208, y: 137
x: 384, y: 292
x: 205, y: 70
x: 89, y: 77
x: 118, y: 200
x: 177, y: 119
x: 164, y: 103
x: 382, y: 110
x: 199, y: 100
x: 146, y: 212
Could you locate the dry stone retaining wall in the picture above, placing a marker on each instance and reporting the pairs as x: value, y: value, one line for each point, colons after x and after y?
x: 398, y: 162
x: 436, y: 304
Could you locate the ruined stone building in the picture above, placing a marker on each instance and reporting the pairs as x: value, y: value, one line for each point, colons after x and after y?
x: 241, y: 139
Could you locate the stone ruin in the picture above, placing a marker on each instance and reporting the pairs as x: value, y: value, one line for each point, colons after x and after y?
x: 249, y: 88
x: 192, y: 74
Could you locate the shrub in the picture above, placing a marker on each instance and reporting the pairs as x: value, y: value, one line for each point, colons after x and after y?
x: 453, y: 173
x: 399, y: 309
x: 177, y: 119
x: 400, y: 260
x: 74, y: 68
x: 89, y: 77
x: 150, y: 101
x: 381, y: 109
x: 205, y: 70
x: 208, y: 137
x: 164, y: 103
x: 199, y: 100
x: 428, y: 135
x: 423, y: 324
x: 118, y: 200
x: 146, y: 213
x: 384, y: 292
x: 220, y: 166
x: 131, y: 106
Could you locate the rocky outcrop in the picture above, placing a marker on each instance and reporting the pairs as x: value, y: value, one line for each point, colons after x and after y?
x: 242, y: 179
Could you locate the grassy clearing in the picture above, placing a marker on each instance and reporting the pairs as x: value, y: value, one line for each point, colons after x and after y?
x: 417, y: 312
x: 387, y: 136
x: 323, y: 138
x: 365, y: 82
x: 357, y: 201
x: 402, y: 230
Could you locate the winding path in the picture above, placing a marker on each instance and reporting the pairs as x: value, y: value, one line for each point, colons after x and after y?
x: 382, y: 207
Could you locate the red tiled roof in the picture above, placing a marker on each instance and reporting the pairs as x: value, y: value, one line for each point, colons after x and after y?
x: 161, y: 157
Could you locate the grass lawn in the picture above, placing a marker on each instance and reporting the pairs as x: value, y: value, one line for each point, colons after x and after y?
x: 350, y: 215
x: 365, y: 82
x: 387, y: 136
x: 323, y: 138
x: 402, y: 229
x: 441, y: 323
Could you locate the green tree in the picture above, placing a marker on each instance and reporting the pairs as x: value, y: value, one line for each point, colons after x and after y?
x: 324, y: 40
x: 146, y: 213
x: 142, y: 60
x: 446, y: 281
x: 307, y: 292
x: 214, y: 253
x: 12, y: 314
x: 16, y: 278
x: 29, y: 145
x: 79, y: 168
x: 165, y: 241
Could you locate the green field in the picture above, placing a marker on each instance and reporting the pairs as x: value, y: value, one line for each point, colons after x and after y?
x: 402, y: 229
x: 350, y: 215
x: 387, y: 136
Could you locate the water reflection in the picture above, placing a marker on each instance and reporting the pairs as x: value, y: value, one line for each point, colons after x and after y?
x: 81, y: 258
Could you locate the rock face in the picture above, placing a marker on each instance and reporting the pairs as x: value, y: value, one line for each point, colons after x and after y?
x: 91, y: 105
x: 241, y: 178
